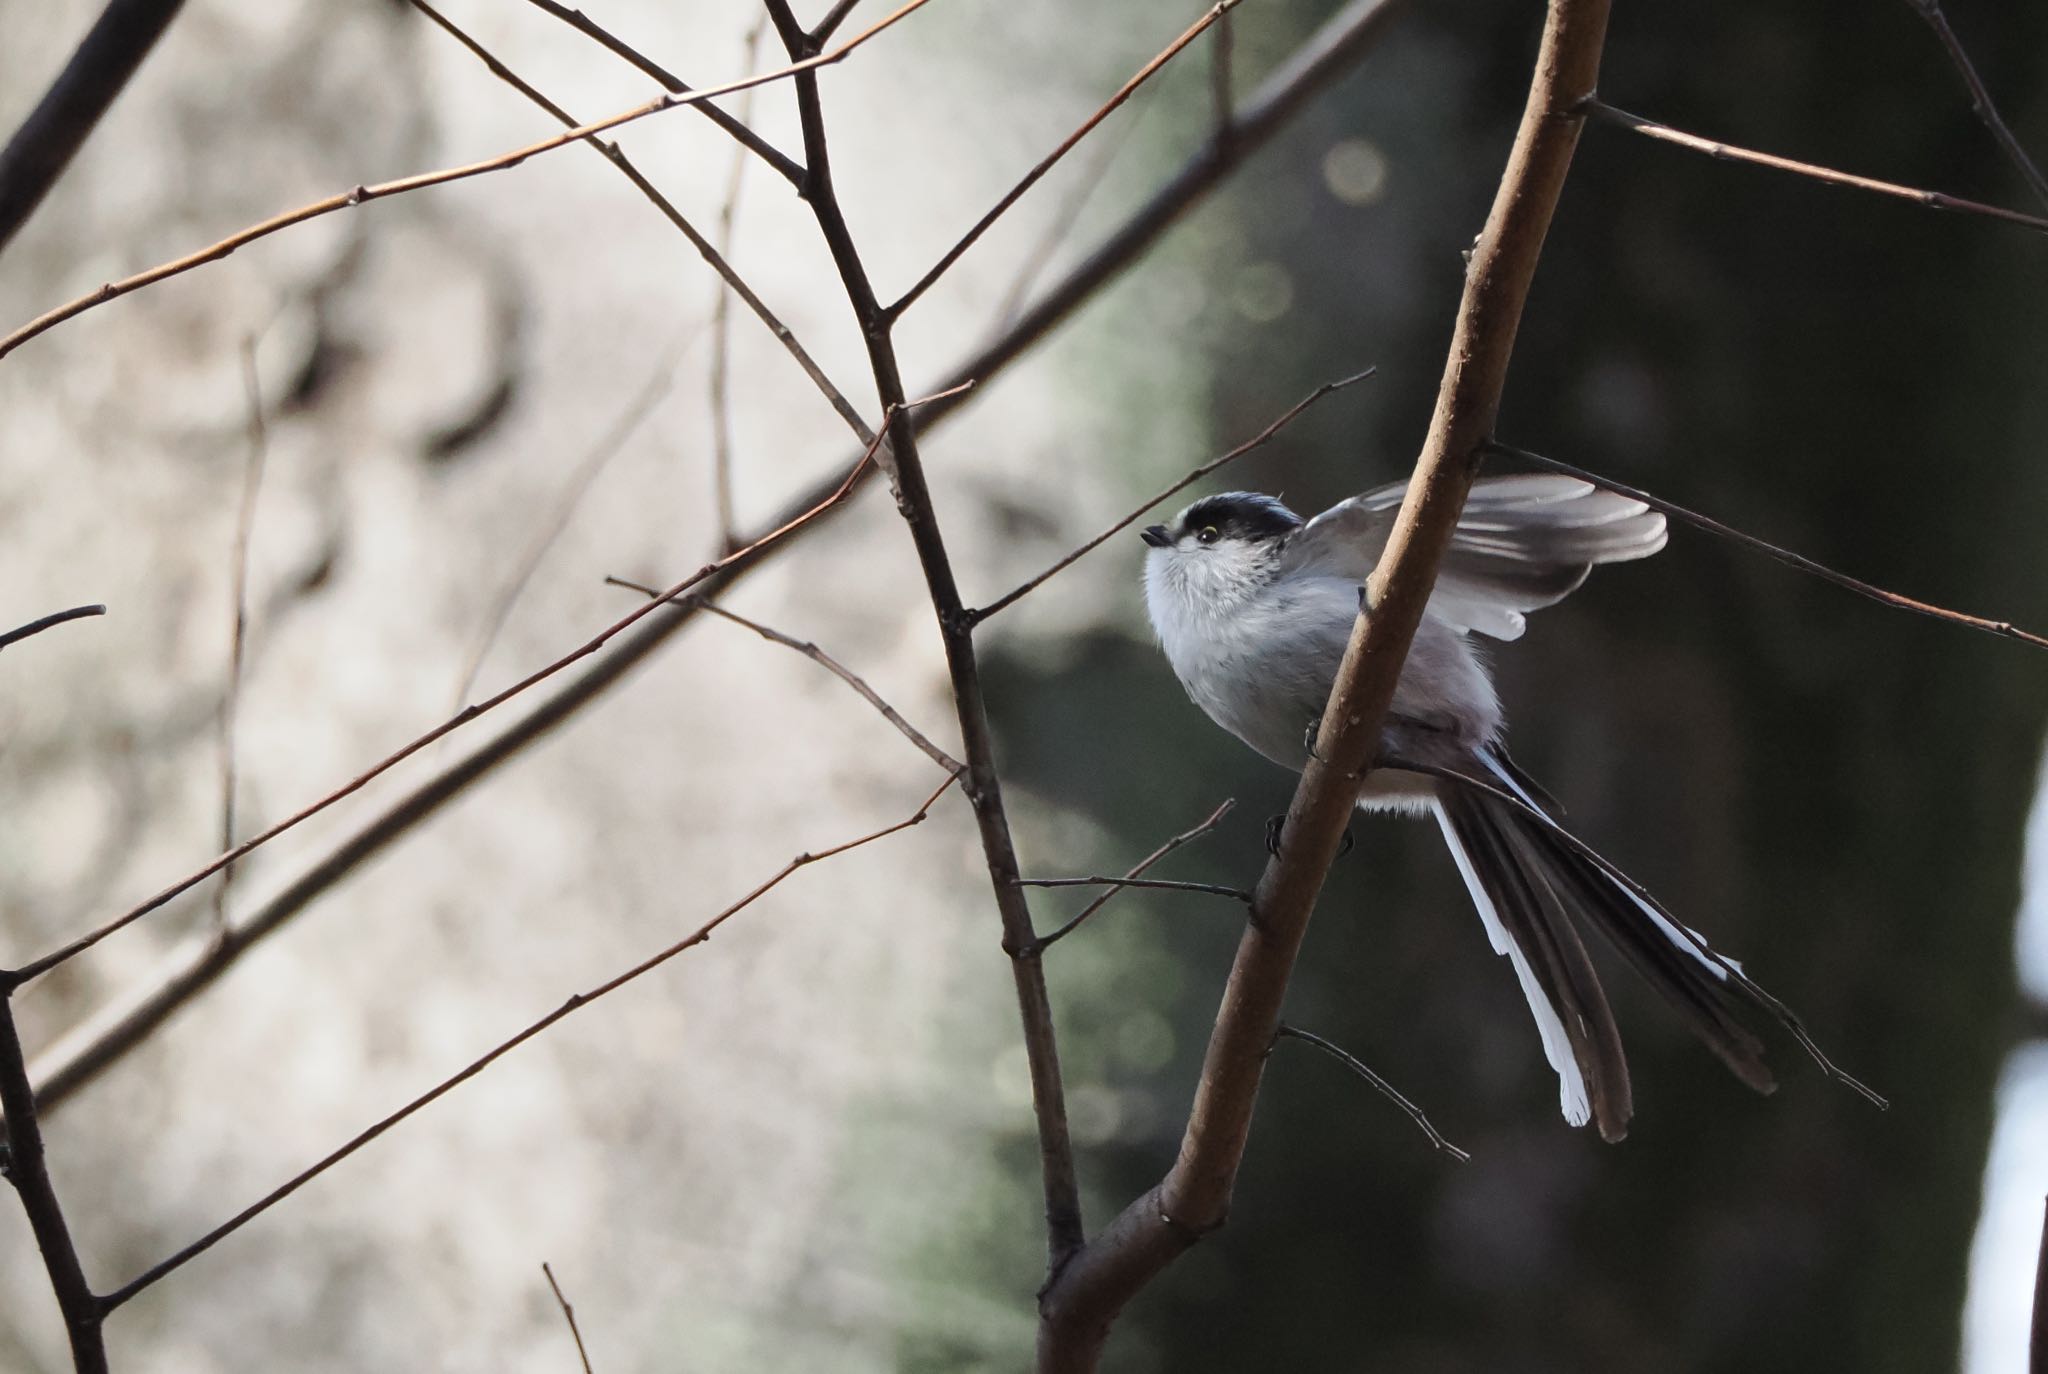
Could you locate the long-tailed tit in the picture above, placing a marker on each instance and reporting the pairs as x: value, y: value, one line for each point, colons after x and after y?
x: 1253, y: 607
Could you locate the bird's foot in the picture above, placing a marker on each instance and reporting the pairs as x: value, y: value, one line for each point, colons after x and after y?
x: 1275, y: 824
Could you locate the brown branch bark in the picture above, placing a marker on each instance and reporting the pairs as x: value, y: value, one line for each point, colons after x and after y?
x: 900, y: 459
x: 109, y: 1035
x: 1981, y: 103
x: 1080, y: 1305
x: 1728, y: 152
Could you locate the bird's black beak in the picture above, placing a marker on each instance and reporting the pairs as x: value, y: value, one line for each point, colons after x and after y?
x: 1156, y: 536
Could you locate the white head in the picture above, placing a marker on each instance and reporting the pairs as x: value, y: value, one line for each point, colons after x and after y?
x: 1216, y: 553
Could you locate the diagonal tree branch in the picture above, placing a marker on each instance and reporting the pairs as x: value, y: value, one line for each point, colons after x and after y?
x: 1980, y: 97
x: 55, y: 618
x: 2003, y: 629
x: 1081, y: 1303
x: 64, y: 118
x: 1728, y: 152
x: 576, y: 1003
x: 675, y: 85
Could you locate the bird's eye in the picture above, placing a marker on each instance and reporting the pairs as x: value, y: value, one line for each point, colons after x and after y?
x: 1208, y: 534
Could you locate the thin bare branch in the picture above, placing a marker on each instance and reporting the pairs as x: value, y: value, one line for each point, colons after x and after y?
x: 36, y: 627
x: 21, y: 1160
x: 104, y: 1038
x: 1386, y: 1089
x: 1728, y: 152
x: 905, y: 467
x: 461, y: 718
x: 850, y: 678
x: 1980, y: 98
x: 2003, y: 629
x: 1137, y: 870
x: 713, y: 256
x: 568, y: 1315
x: 2037, y: 1344
x: 36, y: 156
x: 575, y: 1003
x: 1165, y: 884
x: 1016, y: 193
x: 1089, y: 180
x: 576, y: 19
x: 362, y: 195
x: 1080, y: 1304
x: 1258, y: 440
x: 238, y: 625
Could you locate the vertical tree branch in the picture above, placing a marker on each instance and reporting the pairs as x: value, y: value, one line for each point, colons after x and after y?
x: 25, y: 1169
x: 900, y: 460
x: 1080, y: 1305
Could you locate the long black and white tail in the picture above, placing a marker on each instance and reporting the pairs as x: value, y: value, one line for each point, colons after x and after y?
x: 1535, y: 886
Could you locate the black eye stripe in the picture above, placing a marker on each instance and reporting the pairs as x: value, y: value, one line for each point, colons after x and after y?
x: 1239, y: 515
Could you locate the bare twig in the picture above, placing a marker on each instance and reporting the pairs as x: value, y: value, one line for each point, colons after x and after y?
x: 36, y: 156
x: 1386, y: 1089
x: 713, y: 256
x: 580, y: 480
x: 109, y: 1034
x: 1061, y: 223
x: 1728, y: 152
x: 1137, y: 870
x: 1079, y: 1306
x: 36, y: 627
x: 675, y: 85
x: 231, y: 698
x: 575, y: 1003
x: 1980, y: 98
x: 21, y: 1159
x: 834, y: 17
x: 905, y: 467
x: 1165, y: 884
x: 823, y: 660
x: 1258, y: 440
x: 455, y: 722
x: 2001, y: 628
x: 1016, y: 193
x: 850, y: 678
x: 568, y: 1315
x: 361, y: 195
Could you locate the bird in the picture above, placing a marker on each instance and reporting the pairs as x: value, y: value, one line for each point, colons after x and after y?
x: 1253, y: 607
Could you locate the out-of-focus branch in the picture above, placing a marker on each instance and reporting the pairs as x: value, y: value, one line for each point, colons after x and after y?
x: 720, y: 380
x: 1237, y: 894
x: 1080, y: 1304
x: 1046, y: 164
x: 1137, y: 870
x: 360, y: 195
x: 117, y: 1028
x: 1728, y: 152
x: 901, y: 460
x: 238, y: 624
x: 1980, y: 98
x: 1258, y: 440
x: 2001, y: 628
x: 575, y: 1003
x: 737, y: 126
x: 36, y: 156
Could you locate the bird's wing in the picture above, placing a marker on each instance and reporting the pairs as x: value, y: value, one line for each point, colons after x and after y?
x: 1523, y: 542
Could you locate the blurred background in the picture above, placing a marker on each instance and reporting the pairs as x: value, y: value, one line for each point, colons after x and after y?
x: 808, y: 1144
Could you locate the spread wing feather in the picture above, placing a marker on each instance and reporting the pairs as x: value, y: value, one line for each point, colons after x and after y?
x: 1523, y: 542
